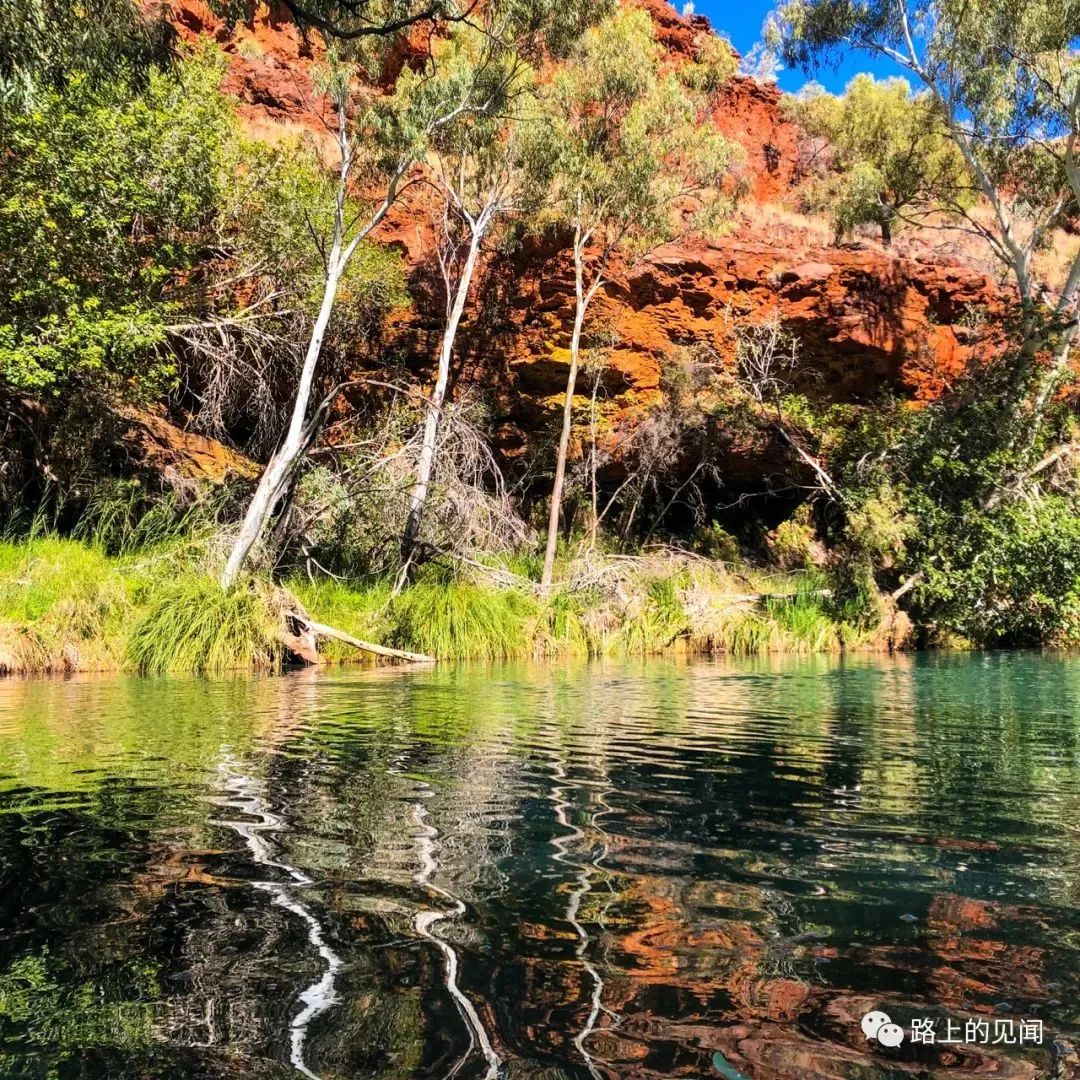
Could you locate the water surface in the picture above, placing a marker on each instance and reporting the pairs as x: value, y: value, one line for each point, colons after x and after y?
x: 645, y: 870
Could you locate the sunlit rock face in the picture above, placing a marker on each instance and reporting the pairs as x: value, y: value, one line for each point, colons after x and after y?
x: 871, y: 321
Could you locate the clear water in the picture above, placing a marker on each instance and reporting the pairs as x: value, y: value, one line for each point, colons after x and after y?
x: 645, y: 870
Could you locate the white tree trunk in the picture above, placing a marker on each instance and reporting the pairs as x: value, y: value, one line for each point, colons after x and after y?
x: 289, y: 453
x: 426, y: 464
x: 285, y: 457
x: 555, y: 512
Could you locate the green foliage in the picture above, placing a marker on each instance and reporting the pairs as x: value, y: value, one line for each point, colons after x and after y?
x: 792, y: 541
x: 713, y: 67
x: 625, y: 140
x: 107, y: 198
x: 1003, y: 75
x: 1008, y: 577
x: 46, y: 44
x: 460, y: 620
x: 193, y: 625
x: 560, y: 629
x: 122, y: 517
x: 280, y: 197
x: 62, y: 605
x: 715, y: 542
x: 925, y: 501
x: 891, y: 150
x: 362, y: 610
x: 469, y: 112
x: 879, y: 526
x: 67, y: 605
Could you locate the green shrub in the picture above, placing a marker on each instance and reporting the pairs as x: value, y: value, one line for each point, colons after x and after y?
x: 716, y: 543
x: 792, y: 541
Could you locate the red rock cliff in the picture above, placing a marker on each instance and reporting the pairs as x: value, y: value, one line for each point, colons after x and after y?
x: 870, y: 322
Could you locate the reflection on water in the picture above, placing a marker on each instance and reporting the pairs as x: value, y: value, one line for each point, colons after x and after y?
x: 643, y: 871
x: 245, y: 794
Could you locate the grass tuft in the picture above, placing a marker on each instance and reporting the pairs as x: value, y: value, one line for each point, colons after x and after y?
x: 560, y: 628
x: 192, y: 625
x: 804, y: 621
x: 460, y: 620
x: 64, y: 606
x: 651, y: 622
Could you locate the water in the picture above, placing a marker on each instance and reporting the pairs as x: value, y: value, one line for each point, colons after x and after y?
x: 637, y: 870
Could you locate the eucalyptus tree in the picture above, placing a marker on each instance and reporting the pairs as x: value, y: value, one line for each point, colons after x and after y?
x: 983, y: 471
x: 44, y: 44
x: 378, y: 142
x: 483, y: 172
x: 891, y: 161
x: 636, y: 164
x: 1005, y: 81
x: 447, y: 107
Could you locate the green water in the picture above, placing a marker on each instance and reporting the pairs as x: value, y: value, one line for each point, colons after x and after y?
x: 662, y: 869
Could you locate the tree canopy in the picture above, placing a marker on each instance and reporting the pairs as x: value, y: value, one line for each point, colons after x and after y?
x: 628, y: 140
x: 45, y: 44
x: 530, y: 25
x: 105, y: 198
x: 890, y: 158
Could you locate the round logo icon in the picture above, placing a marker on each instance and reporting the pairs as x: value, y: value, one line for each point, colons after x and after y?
x: 878, y: 1025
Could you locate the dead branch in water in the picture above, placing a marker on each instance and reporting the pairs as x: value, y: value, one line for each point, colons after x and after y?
x: 321, y: 630
x: 299, y: 633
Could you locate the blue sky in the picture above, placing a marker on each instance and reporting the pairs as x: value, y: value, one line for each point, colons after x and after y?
x: 741, y: 21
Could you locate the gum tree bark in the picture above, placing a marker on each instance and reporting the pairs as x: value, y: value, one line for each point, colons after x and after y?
x: 583, y: 299
x: 289, y: 453
x: 456, y: 299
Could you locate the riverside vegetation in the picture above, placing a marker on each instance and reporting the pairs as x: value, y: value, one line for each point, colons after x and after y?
x: 158, y: 260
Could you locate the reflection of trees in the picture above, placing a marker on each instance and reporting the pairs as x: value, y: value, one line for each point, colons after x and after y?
x: 246, y: 795
x: 577, y: 837
x: 578, y: 872
x: 425, y: 922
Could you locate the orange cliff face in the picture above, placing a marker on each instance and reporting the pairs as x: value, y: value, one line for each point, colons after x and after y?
x: 869, y: 322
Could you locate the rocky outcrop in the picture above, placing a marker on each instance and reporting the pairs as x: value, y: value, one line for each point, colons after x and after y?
x: 870, y: 323
x: 180, y: 458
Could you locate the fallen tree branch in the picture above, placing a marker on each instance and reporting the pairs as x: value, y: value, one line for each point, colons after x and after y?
x: 321, y: 630
x: 828, y: 485
x: 1051, y: 458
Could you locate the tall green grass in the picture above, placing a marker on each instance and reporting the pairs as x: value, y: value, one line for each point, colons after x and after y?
x: 560, y: 627
x: 803, y: 620
x: 652, y: 621
x: 63, y: 606
x: 73, y: 605
x: 462, y: 620
x: 193, y: 626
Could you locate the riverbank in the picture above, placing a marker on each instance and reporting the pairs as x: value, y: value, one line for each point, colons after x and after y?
x: 67, y: 605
